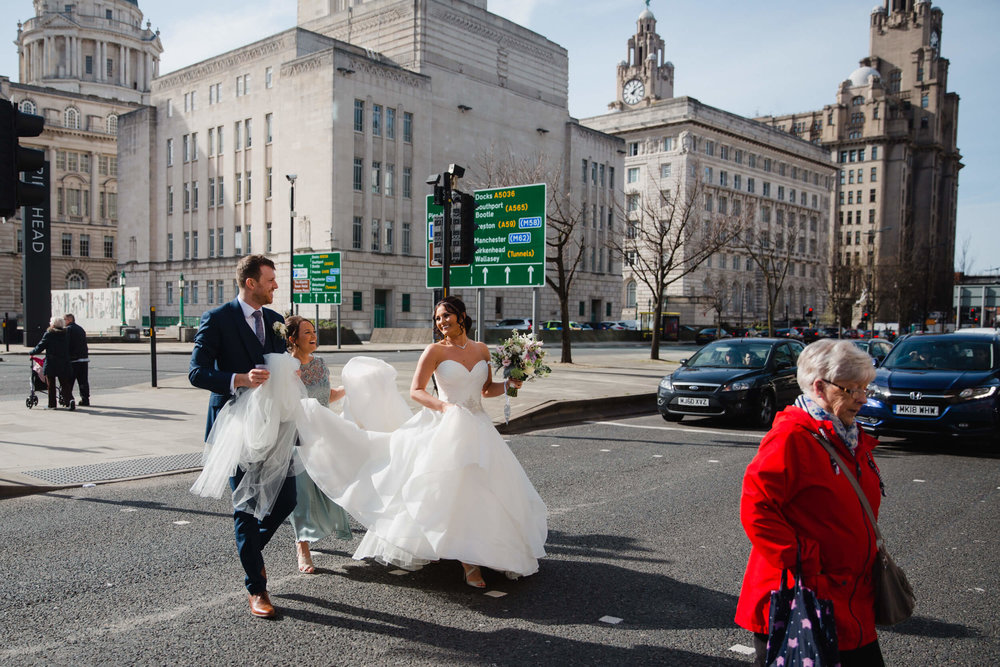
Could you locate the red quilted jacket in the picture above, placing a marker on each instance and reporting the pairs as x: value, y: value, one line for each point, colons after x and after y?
x: 792, y: 489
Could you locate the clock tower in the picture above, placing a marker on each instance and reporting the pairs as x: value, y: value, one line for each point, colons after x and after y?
x: 645, y: 77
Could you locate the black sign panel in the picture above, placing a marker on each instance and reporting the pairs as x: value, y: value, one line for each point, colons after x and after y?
x: 37, y: 260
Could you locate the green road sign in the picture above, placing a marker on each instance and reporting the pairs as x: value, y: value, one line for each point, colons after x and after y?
x: 510, y: 240
x: 316, y: 278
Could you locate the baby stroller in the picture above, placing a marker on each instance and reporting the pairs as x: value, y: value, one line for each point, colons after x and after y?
x: 39, y: 382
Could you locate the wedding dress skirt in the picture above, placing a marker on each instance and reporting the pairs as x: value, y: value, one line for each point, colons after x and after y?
x: 427, y: 486
x: 256, y: 432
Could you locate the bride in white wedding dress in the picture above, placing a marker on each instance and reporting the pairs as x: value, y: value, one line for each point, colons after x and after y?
x: 438, y: 485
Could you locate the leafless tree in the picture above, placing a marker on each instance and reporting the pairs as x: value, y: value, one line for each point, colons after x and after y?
x: 965, y: 260
x: 499, y: 167
x: 717, y: 297
x: 667, y: 236
x: 770, y: 249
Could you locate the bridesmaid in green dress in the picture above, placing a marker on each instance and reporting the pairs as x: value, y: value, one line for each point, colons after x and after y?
x: 315, y: 516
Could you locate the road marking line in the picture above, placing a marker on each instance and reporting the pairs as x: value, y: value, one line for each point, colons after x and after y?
x: 740, y: 648
x: 605, y: 450
x: 495, y: 594
x: 920, y: 480
x: 753, y: 436
x: 398, y: 573
x: 612, y: 620
x: 181, y: 523
x: 713, y: 460
x: 657, y: 456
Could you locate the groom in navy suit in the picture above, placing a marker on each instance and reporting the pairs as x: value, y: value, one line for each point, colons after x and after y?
x: 228, y: 349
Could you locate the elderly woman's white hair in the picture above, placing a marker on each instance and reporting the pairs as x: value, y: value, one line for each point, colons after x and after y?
x: 56, y: 323
x: 833, y: 360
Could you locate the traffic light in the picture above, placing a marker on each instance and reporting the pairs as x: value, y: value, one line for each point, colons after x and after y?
x: 463, y: 227
x: 973, y: 314
x: 864, y: 317
x: 15, y: 159
x: 809, y: 312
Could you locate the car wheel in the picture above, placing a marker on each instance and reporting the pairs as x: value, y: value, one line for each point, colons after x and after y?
x: 672, y: 418
x: 765, y: 410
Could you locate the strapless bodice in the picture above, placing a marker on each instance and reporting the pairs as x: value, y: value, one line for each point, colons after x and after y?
x: 458, y: 385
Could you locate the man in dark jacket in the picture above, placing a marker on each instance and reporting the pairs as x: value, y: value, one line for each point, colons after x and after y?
x: 228, y: 356
x: 78, y: 358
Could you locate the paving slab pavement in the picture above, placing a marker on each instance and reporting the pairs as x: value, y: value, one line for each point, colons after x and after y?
x: 139, y: 431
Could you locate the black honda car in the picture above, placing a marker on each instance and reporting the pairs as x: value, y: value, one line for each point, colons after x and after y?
x: 750, y: 378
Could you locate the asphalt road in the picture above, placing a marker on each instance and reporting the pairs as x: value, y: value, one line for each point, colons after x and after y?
x: 643, y: 527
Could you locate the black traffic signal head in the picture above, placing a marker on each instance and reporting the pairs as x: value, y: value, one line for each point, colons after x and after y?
x: 15, y: 159
x: 463, y: 216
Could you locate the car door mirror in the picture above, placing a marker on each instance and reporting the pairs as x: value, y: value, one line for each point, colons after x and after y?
x: 684, y: 362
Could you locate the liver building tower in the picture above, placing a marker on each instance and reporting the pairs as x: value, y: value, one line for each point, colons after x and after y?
x: 892, y: 133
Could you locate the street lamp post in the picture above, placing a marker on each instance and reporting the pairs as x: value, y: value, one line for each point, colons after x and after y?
x: 869, y: 306
x: 122, y: 281
x: 291, y: 243
x: 181, y: 283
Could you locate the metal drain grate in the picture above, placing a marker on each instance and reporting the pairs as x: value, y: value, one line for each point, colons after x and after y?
x: 99, y: 472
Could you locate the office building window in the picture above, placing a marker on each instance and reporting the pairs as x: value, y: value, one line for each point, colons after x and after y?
x: 170, y: 247
x: 407, y: 182
x: 268, y: 77
x: 407, y: 127
x: 388, y: 237
x: 109, y: 247
x: 376, y: 177
x: 390, y: 180
x: 376, y: 235
x: 67, y: 245
x: 406, y: 238
x: 357, y: 233
x: 390, y: 123
x: 405, y: 303
x: 377, y: 120
x: 359, y: 115
x: 358, y: 171
x: 356, y: 302
x: 268, y: 128
x: 218, y: 235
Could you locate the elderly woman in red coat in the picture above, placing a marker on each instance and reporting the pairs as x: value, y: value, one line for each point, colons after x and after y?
x: 793, y: 494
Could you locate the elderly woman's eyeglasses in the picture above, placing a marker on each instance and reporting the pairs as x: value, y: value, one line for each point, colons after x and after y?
x: 855, y: 393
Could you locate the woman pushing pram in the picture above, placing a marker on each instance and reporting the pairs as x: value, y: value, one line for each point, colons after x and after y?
x: 55, y: 344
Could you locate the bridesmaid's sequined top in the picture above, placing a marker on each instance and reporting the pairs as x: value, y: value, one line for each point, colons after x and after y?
x: 316, y: 378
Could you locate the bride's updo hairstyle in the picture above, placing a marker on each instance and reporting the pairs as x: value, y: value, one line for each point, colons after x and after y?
x: 456, y: 307
x: 292, y: 325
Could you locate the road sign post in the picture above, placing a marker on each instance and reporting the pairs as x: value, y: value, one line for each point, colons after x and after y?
x: 316, y: 278
x: 509, y: 240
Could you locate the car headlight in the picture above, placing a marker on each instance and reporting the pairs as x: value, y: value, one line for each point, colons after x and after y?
x: 667, y: 384
x: 975, y: 393
x: 739, y: 385
x: 877, y: 391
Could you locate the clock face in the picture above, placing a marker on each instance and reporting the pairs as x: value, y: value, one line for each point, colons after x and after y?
x: 633, y: 91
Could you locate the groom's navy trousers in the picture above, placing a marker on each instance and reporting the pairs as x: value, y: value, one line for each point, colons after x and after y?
x: 225, y: 345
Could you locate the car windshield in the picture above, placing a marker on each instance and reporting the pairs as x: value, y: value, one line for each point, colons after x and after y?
x: 739, y: 354
x: 510, y: 323
x: 949, y: 355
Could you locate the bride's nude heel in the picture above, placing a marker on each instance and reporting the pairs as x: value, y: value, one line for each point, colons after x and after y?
x: 473, y: 576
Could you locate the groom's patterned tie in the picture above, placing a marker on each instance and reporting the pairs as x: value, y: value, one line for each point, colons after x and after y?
x: 258, y: 326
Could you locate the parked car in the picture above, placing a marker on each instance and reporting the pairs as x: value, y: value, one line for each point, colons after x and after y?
x: 745, y: 332
x: 612, y: 326
x: 876, y: 348
x: 749, y: 378
x: 789, y: 332
x: 709, y: 334
x: 586, y: 326
x: 556, y: 325
x: 809, y: 335
x: 830, y: 332
x: 521, y: 324
x: 937, y: 384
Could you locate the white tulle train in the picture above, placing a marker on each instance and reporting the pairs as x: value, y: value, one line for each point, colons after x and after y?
x: 427, y: 486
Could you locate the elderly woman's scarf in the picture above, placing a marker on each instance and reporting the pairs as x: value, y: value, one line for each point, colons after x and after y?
x: 848, y: 434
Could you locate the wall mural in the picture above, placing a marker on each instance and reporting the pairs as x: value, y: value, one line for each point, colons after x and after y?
x: 98, y: 310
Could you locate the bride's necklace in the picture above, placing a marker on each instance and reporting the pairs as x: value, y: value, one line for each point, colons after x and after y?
x: 461, y: 347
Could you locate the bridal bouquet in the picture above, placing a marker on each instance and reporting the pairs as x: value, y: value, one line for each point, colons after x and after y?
x: 521, y: 358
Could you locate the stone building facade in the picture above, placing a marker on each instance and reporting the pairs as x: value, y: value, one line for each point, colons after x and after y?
x: 81, y: 67
x: 892, y: 132
x: 361, y: 103
x: 777, y: 183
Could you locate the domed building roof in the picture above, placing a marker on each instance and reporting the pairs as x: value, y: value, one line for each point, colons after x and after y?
x: 646, y: 14
x: 862, y: 75
x: 878, y: 10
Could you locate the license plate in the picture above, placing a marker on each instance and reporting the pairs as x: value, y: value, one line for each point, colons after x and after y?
x: 919, y: 410
x: 695, y: 402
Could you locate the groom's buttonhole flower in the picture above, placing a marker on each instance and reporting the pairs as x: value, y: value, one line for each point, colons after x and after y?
x: 281, y: 330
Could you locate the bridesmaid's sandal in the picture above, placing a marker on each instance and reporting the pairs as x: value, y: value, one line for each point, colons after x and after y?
x: 473, y: 576
x: 305, y: 559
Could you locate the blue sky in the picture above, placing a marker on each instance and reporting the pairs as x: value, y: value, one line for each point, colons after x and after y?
x: 751, y: 58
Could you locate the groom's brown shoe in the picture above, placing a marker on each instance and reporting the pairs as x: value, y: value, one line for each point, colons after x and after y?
x: 260, y: 605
